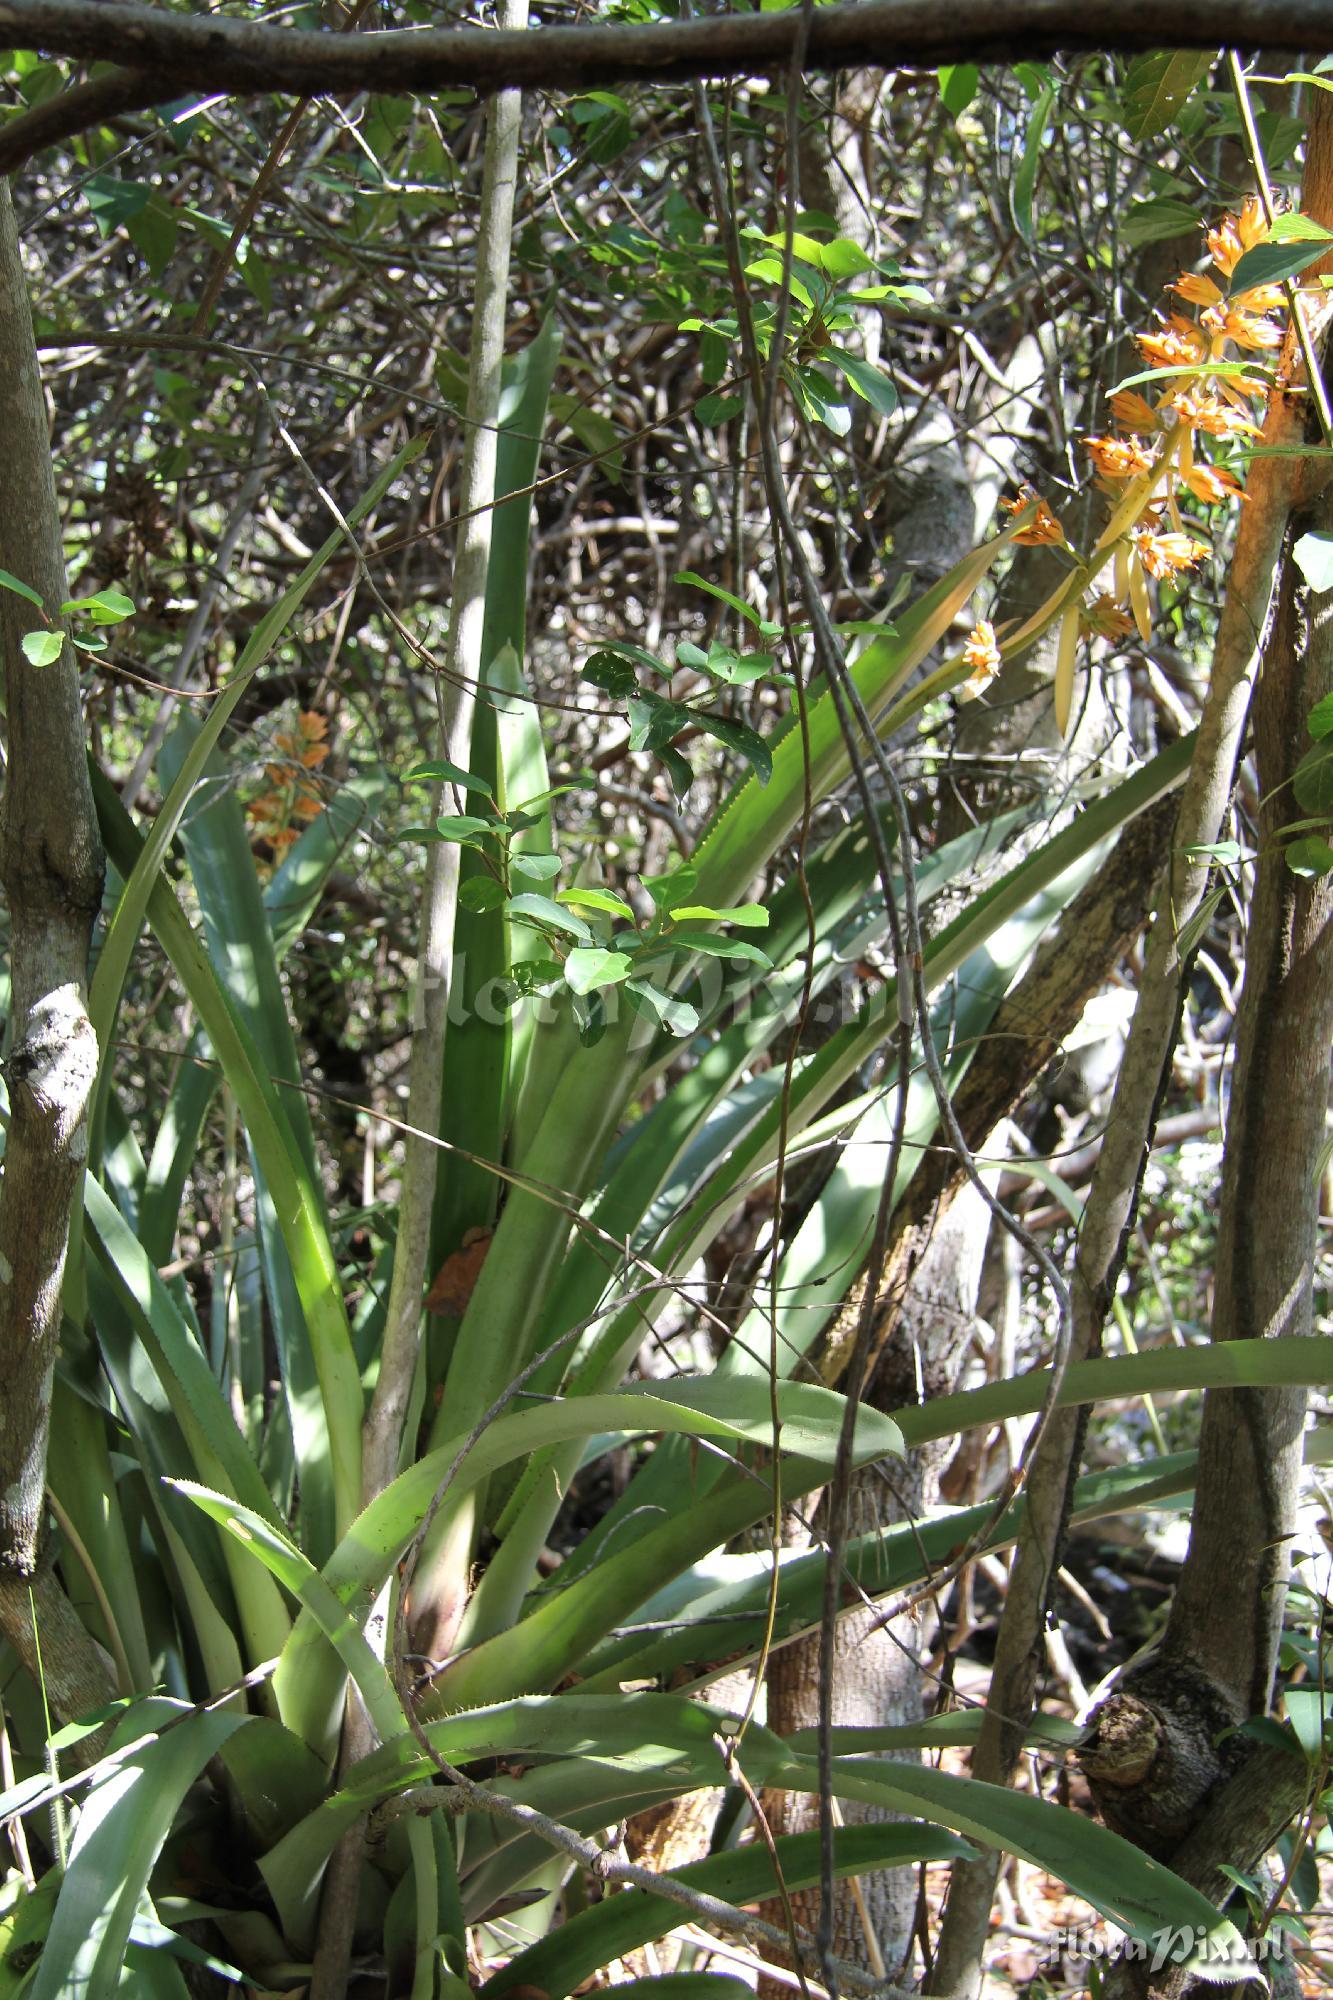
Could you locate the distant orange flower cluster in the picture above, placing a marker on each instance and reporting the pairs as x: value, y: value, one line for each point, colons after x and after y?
x: 1154, y: 442
x: 1220, y: 406
x: 293, y: 797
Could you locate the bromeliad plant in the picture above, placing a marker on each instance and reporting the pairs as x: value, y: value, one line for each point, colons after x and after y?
x: 217, y: 1539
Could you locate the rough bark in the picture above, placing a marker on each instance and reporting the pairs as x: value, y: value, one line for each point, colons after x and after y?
x: 1273, y: 490
x: 1159, y: 1762
x: 214, y: 52
x: 51, y: 867
x: 878, y: 1667
x: 928, y: 1297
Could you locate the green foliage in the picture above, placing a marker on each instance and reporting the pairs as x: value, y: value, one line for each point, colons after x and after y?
x: 620, y: 1084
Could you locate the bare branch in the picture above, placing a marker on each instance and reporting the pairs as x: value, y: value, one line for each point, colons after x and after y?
x: 170, y: 52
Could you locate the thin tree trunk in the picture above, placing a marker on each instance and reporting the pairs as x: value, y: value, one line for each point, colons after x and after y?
x: 1272, y: 491
x: 1215, y: 1665
x: 51, y: 865
x: 925, y: 1317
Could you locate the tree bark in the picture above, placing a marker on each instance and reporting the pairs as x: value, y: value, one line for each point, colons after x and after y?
x: 1217, y: 1659
x: 51, y: 867
x: 928, y: 1294
x: 1273, y: 490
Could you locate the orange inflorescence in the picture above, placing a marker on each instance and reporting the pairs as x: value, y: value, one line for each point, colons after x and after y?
x: 1043, y: 527
x: 293, y: 795
x: 1155, y: 440
x: 1104, y: 619
x: 982, y: 654
x: 1119, y: 458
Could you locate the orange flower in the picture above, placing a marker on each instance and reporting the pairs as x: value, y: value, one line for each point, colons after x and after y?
x: 1213, y: 484
x: 1042, y: 528
x: 1104, y: 619
x: 1135, y: 413
x: 1205, y: 412
x: 1179, y: 345
x: 982, y: 654
x: 1198, y: 288
x: 292, y: 794
x: 1119, y: 458
x: 1262, y: 299
x: 1164, y: 555
x: 1236, y: 234
x: 1246, y: 329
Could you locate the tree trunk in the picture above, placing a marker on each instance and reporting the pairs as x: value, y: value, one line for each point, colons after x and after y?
x: 1158, y: 1771
x: 51, y: 867
x: 928, y: 1293
x: 1273, y: 488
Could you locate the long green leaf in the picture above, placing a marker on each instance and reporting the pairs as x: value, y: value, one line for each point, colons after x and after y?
x: 556, y: 1636
x: 565, y: 1958
x: 297, y: 1199
x: 705, y: 1407
x: 125, y: 1819
x: 217, y: 1450
x: 756, y: 819
x: 1139, y: 1894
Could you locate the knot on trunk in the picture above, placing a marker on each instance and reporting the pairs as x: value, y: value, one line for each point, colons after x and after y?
x: 55, y: 1064
x: 1158, y: 1746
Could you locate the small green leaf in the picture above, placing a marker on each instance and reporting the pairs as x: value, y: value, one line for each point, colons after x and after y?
x: 750, y: 916
x: 8, y: 582
x: 1309, y: 857
x: 43, y: 648
x: 820, y: 400
x: 104, y: 607
x: 537, y: 867
x: 1158, y: 220
x: 870, y: 383
x: 1033, y: 77
x: 1309, y: 1713
x: 958, y: 86
x: 612, y: 672
x: 589, y: 966
x: 542, y: 910
x: 1227, y: 852
x: 844, y: 258
x: 746, y: 742
x: 1158, y: 86
x: 1319, y: 722
x: 670, y: 891
x: 438, y: 771
x: 1312, y: 781
x: 1194, y: 928
x: 722, y: 947
x: 596, y: 899
x: 1313, y: 557
x: 770, y: 270
x: 114, y: 201
x: 737, y: 604
x: 464, y: 827
x: 1298, y: 228
x: 1025, y: 180
x: 719, y: 409
x: 677, y: 769
x: 481, y: 893
x: 675, y: 1015
x: 653, y: 720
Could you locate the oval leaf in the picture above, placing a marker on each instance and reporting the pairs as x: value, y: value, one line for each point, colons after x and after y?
x: 43, y: 648
x: 589, y: 966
